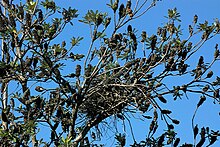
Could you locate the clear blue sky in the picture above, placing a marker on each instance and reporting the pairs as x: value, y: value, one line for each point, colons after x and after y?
x: 183, y: 110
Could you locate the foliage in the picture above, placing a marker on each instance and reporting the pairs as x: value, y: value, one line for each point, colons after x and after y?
x: 110, y: 82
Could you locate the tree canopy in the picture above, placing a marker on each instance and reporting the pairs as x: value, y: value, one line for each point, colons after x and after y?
x: 47, y: 83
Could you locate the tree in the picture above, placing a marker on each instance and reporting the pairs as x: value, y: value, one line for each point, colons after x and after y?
x: 109, y: 82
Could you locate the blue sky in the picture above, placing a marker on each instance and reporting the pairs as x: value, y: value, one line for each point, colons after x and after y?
x: 182, y: 109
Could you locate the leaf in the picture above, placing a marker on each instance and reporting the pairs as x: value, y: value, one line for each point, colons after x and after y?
x: 52, y: 135
x: 4, y: 117
x: 49, y: 4
x: 69, y: 139
x: 173, y: 14
x: 216, y: 93
x: 152, y: 124
x: 166, y: 111
x: 75, y: 41
x: 121, y: 139
x: 155, y: 115
x: 55, y: 126
x: 93, y: 135
x: 71, y: 75
x: 76, y: 56
x: 175, y: 121
x: 177, y: 141
x: 91, y: 17
x: 201, y: 101
x: 31, y: 6
x: 120, y: 116
x: 101, y: 35
x: 161, y: 98
x: 195, y: 131
x: 161, y: 140
x: 210, y: 74
x: 216, y: 53
x: 84, y: 21
x: 69, y: 14
x: 201, y: 142
x: 147, y: 117
x: 39, y: 89
x: 170, y: 127
x: 14, y: 31
x: 195, y: 19
x: 213, y: 138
